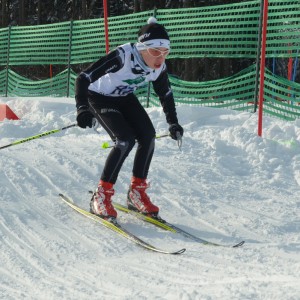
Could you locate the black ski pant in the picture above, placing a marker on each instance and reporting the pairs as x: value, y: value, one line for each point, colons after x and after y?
x: 127, y: 122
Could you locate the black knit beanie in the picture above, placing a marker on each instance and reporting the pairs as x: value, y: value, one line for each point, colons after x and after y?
x: 152, y: 31
x: 153, y: 35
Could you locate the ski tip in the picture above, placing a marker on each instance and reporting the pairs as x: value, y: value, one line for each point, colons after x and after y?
x: 62, y: 196
x: 179, y: 251
x: 239, y: 244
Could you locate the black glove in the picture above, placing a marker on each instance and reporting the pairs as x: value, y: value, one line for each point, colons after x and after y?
x: 84, y: 117
x: 175, y: 130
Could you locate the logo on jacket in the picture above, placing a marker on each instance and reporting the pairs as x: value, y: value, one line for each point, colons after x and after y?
x: 135, y: 81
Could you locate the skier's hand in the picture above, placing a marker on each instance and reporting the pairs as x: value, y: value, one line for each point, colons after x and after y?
x: 84, y: 117
x: 176, y: 131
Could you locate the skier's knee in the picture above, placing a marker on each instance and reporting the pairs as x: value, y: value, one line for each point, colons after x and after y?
x: 125, y: 145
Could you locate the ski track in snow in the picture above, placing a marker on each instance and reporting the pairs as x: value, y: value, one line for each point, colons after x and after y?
x: 226, y: 185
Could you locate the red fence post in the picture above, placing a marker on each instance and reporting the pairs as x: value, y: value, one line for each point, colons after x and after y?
x: 106, y: 25
x: 262, y: 66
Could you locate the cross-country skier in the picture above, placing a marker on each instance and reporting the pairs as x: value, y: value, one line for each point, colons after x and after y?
x: 105, y: 91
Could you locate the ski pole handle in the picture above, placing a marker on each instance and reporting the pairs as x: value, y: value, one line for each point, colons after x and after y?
x: 37, y: 136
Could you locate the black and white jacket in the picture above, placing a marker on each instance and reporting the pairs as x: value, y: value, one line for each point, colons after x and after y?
x: 120, y: 73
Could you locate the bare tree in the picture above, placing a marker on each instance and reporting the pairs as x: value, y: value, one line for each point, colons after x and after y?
x: 4, y: 12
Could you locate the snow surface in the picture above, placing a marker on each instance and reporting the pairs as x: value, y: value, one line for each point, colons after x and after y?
x: 226, y: 185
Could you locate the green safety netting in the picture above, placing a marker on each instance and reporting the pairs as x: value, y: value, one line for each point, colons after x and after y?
x: 59, y: 86
x: 229, y: 31
x: 235, y: 91
x: 282, y: 97
x: 215, y: 31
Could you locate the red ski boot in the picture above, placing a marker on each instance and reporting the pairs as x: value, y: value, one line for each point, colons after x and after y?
x: 101, y: 201
x: 138, y: 200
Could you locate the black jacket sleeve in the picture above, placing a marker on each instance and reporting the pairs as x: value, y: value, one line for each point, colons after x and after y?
x: 163, y: 89
x: 107, y: 64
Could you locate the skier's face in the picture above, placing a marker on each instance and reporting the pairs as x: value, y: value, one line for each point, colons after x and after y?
x: 154, y: 57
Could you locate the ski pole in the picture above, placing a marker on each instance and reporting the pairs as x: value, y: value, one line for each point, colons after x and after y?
x: 179, y: 140
x: 38, y: 136
x: 107, y: 145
